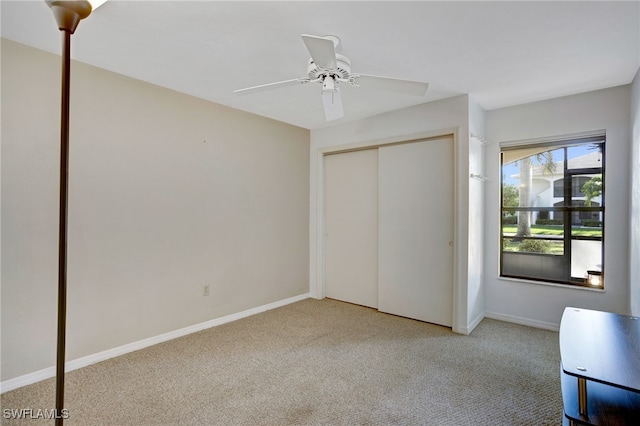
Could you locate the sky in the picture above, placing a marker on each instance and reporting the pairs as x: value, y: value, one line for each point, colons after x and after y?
x: 511, y: 171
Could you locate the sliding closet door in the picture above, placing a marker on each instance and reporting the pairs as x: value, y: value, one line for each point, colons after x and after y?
x: 351, y: 227
x: 415, y: 264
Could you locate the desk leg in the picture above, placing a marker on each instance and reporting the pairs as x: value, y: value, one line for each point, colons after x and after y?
x: 582, y: 396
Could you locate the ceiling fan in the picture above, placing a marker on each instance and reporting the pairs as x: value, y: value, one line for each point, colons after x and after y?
x: 332, y: 69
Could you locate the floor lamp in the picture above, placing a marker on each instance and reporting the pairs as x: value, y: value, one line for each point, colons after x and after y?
x: 68, y: 15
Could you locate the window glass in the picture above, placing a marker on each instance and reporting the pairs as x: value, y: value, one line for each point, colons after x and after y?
x: 553, y: 212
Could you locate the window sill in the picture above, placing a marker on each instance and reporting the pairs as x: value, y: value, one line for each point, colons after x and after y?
x: 568, y: 286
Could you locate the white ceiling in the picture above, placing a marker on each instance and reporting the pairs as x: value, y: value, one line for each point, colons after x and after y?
x: 501, y: 53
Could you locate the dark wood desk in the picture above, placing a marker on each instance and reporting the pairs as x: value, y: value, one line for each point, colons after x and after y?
x: 600, y: 371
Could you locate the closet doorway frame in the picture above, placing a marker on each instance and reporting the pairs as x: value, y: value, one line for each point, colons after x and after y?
x: 459, y: 291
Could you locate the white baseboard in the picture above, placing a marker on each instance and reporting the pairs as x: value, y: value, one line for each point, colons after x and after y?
x: 523, y: 321
x: 473, y: 324
x: 470, y: 327
x: 75, y: 364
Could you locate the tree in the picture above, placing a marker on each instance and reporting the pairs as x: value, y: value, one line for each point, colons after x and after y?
x: 592, y: 189
x: 509, y: 195
x: 524, y: 217
x: 545, y: 159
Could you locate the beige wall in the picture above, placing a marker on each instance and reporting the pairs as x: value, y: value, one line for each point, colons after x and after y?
x: 634, y: 197
x: 168, y: 193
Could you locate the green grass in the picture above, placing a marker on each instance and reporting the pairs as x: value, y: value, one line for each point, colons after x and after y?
x: 576, y: 231
x: 556, y: 246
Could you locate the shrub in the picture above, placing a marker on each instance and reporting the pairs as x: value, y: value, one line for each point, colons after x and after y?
x: 509, y: 220
x: 505, y: 243
x: 549, y: 222
x: 534, y: 246
x: 592, y: 223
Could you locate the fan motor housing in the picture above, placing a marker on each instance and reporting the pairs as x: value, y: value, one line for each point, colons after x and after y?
x: 342, y: 70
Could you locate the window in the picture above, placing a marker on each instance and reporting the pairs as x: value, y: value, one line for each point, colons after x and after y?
x: 577, y: 182
x: 552, y: 210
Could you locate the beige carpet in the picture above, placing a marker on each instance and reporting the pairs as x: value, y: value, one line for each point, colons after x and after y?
x: 319, y: 362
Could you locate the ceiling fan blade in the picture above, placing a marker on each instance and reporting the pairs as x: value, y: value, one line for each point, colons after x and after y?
x: 263, y: 87
x: 331, y: 100
x: 414, y: 88
x: 322, y: 51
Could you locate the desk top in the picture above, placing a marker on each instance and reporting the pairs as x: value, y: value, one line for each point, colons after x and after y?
x: 601, y: 346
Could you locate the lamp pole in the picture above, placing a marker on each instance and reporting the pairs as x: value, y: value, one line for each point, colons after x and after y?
x: 68, y: 15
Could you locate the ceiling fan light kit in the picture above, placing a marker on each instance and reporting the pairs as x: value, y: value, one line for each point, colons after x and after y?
x: 331, y: 69
x: 331, y: 100
x: 342, y: 69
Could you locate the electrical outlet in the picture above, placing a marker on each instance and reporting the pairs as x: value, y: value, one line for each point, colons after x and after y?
x: 205, y: 290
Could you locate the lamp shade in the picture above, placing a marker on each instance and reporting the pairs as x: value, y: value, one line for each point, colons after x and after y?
x: 68, y: 14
